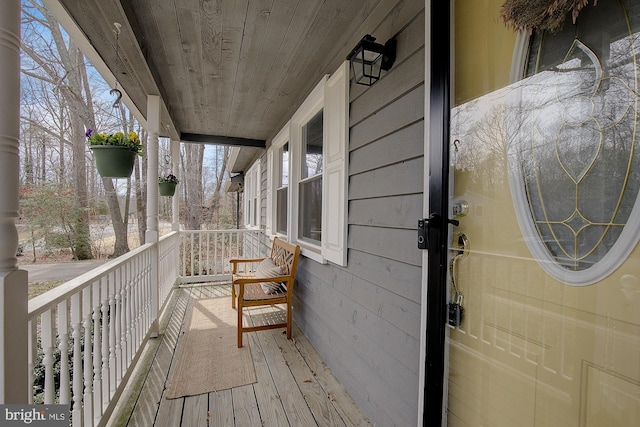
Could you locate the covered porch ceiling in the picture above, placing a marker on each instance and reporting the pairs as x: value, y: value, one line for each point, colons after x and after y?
x: 227, y: 71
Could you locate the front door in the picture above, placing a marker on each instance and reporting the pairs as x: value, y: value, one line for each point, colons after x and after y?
x: 545, y: 266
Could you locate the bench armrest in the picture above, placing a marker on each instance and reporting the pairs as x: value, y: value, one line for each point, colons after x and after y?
x: 236, y: 261
x: 240, y: 260
x: 244, y: 280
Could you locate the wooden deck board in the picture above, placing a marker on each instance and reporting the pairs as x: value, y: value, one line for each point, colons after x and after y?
x: 245, y: 406
x: 221, y: 408
x: 195, y: 411
x: 319, y: 403
x: 294, y: 386
x: 296, y: 408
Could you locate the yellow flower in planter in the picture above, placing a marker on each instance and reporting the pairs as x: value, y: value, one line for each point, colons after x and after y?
x: 119, y: 139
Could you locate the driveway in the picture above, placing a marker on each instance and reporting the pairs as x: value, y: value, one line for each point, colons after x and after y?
x: 55, y: 272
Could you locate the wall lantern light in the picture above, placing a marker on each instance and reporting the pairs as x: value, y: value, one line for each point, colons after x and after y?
x: 369, y: 58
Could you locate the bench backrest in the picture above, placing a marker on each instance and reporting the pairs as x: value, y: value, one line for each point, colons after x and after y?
x: 285, y: 255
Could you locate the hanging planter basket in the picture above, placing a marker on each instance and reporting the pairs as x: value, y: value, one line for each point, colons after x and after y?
x: 114, y: 161
x: 167, y: 188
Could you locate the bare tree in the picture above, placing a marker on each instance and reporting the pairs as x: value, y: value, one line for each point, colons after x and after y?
x: 193, y: 155
x: 58, y: 64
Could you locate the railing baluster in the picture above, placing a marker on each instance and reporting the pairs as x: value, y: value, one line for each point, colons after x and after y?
x: 199, y: 243
x: 128, y: 315
x: 217, y: 262
x: 104, y: 308
x: 63, y: 346
x: 88, y: 374
x: 97, y: 351
x: 145, y: 297
x: 32, y: 355
x: 76, y: 317
x: 183, y: 264
x: 208, y: 261
x: 131, y: 313
x: 193, y: 236
x: 46, y: 330
x: 112, y: 334
x: 135, y: 264
x: 119, y: 323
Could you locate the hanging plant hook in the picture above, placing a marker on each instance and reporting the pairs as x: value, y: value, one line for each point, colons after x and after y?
x: 118, y: 94
x: 115, y: 90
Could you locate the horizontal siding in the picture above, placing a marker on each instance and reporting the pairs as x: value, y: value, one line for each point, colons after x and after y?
x: 394, y: 211
x: 391, y: 243
x: 400, y: 178
x: 394, y: 276
x: 393, y: 148
x: 364, y: 348
x: 403, y: 112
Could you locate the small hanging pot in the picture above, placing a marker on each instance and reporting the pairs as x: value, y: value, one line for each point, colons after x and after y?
x: 167, y: 188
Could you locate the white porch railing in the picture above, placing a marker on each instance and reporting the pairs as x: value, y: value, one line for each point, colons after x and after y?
x: 205, y: 254
x: 108, y: 312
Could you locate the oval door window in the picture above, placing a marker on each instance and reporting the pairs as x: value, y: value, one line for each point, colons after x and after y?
x: 573, y: 154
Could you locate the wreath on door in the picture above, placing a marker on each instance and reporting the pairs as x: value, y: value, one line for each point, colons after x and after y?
x: 541, y: 15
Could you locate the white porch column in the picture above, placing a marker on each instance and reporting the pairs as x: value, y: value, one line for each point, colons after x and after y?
x: 151, y: 234
x: 175, y: 200
x: 13, y: 282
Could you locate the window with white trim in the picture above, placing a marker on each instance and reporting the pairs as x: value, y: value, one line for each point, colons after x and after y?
x: 307, y: 164
x: 282, y: 191
x: 252, y: 197
x: 310, y: 183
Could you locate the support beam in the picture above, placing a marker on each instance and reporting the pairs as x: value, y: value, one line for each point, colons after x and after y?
x: 13, y: 282
x: 222, y: 140
x: 151, y: 234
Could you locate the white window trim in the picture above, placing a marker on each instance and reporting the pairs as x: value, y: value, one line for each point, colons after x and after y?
x: 331, y: 94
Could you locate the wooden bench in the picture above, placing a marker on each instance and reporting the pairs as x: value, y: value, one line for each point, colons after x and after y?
x: 248, y: 288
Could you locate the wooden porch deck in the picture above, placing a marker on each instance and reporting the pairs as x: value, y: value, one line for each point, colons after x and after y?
x: 294, y: 388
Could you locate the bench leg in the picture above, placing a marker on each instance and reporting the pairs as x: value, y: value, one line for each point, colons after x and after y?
x: 289, y: 320
x: 233, y: 295
x: 239, y: 325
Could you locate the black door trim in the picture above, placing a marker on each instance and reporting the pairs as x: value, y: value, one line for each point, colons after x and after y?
x: 439, y: 99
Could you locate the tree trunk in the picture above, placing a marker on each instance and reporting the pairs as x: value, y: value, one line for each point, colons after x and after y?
x: 194, y: 156
x: 223, y: 170
x: 141, y: 189
x: 121, y: 245
x: 81, y: 239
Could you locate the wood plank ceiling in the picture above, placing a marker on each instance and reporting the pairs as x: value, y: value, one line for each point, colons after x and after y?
x: 228, y: 71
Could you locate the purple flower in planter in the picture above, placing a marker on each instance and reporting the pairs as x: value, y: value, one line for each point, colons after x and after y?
x: 88, y: 133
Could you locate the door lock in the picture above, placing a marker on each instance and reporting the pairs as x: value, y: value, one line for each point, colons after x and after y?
x: 425, y: 225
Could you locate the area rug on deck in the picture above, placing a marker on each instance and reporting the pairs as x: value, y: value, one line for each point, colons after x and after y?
x: 208, y: 358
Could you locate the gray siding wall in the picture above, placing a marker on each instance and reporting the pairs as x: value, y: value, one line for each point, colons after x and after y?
x: 364, y: 319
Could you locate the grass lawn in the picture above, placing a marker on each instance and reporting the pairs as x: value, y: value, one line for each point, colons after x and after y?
x: 37, y: 288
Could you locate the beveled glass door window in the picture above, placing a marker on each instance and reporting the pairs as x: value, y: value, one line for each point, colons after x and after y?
x: 576, y: 152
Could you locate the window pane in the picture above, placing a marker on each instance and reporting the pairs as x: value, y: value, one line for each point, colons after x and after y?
x: 310, y: 209
x: 312, y: 147
x: 255, y: 211
x: 284, y: 165
x: 281, y: 222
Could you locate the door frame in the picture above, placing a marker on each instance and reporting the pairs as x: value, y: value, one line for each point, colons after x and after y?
x: 432, y: 399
